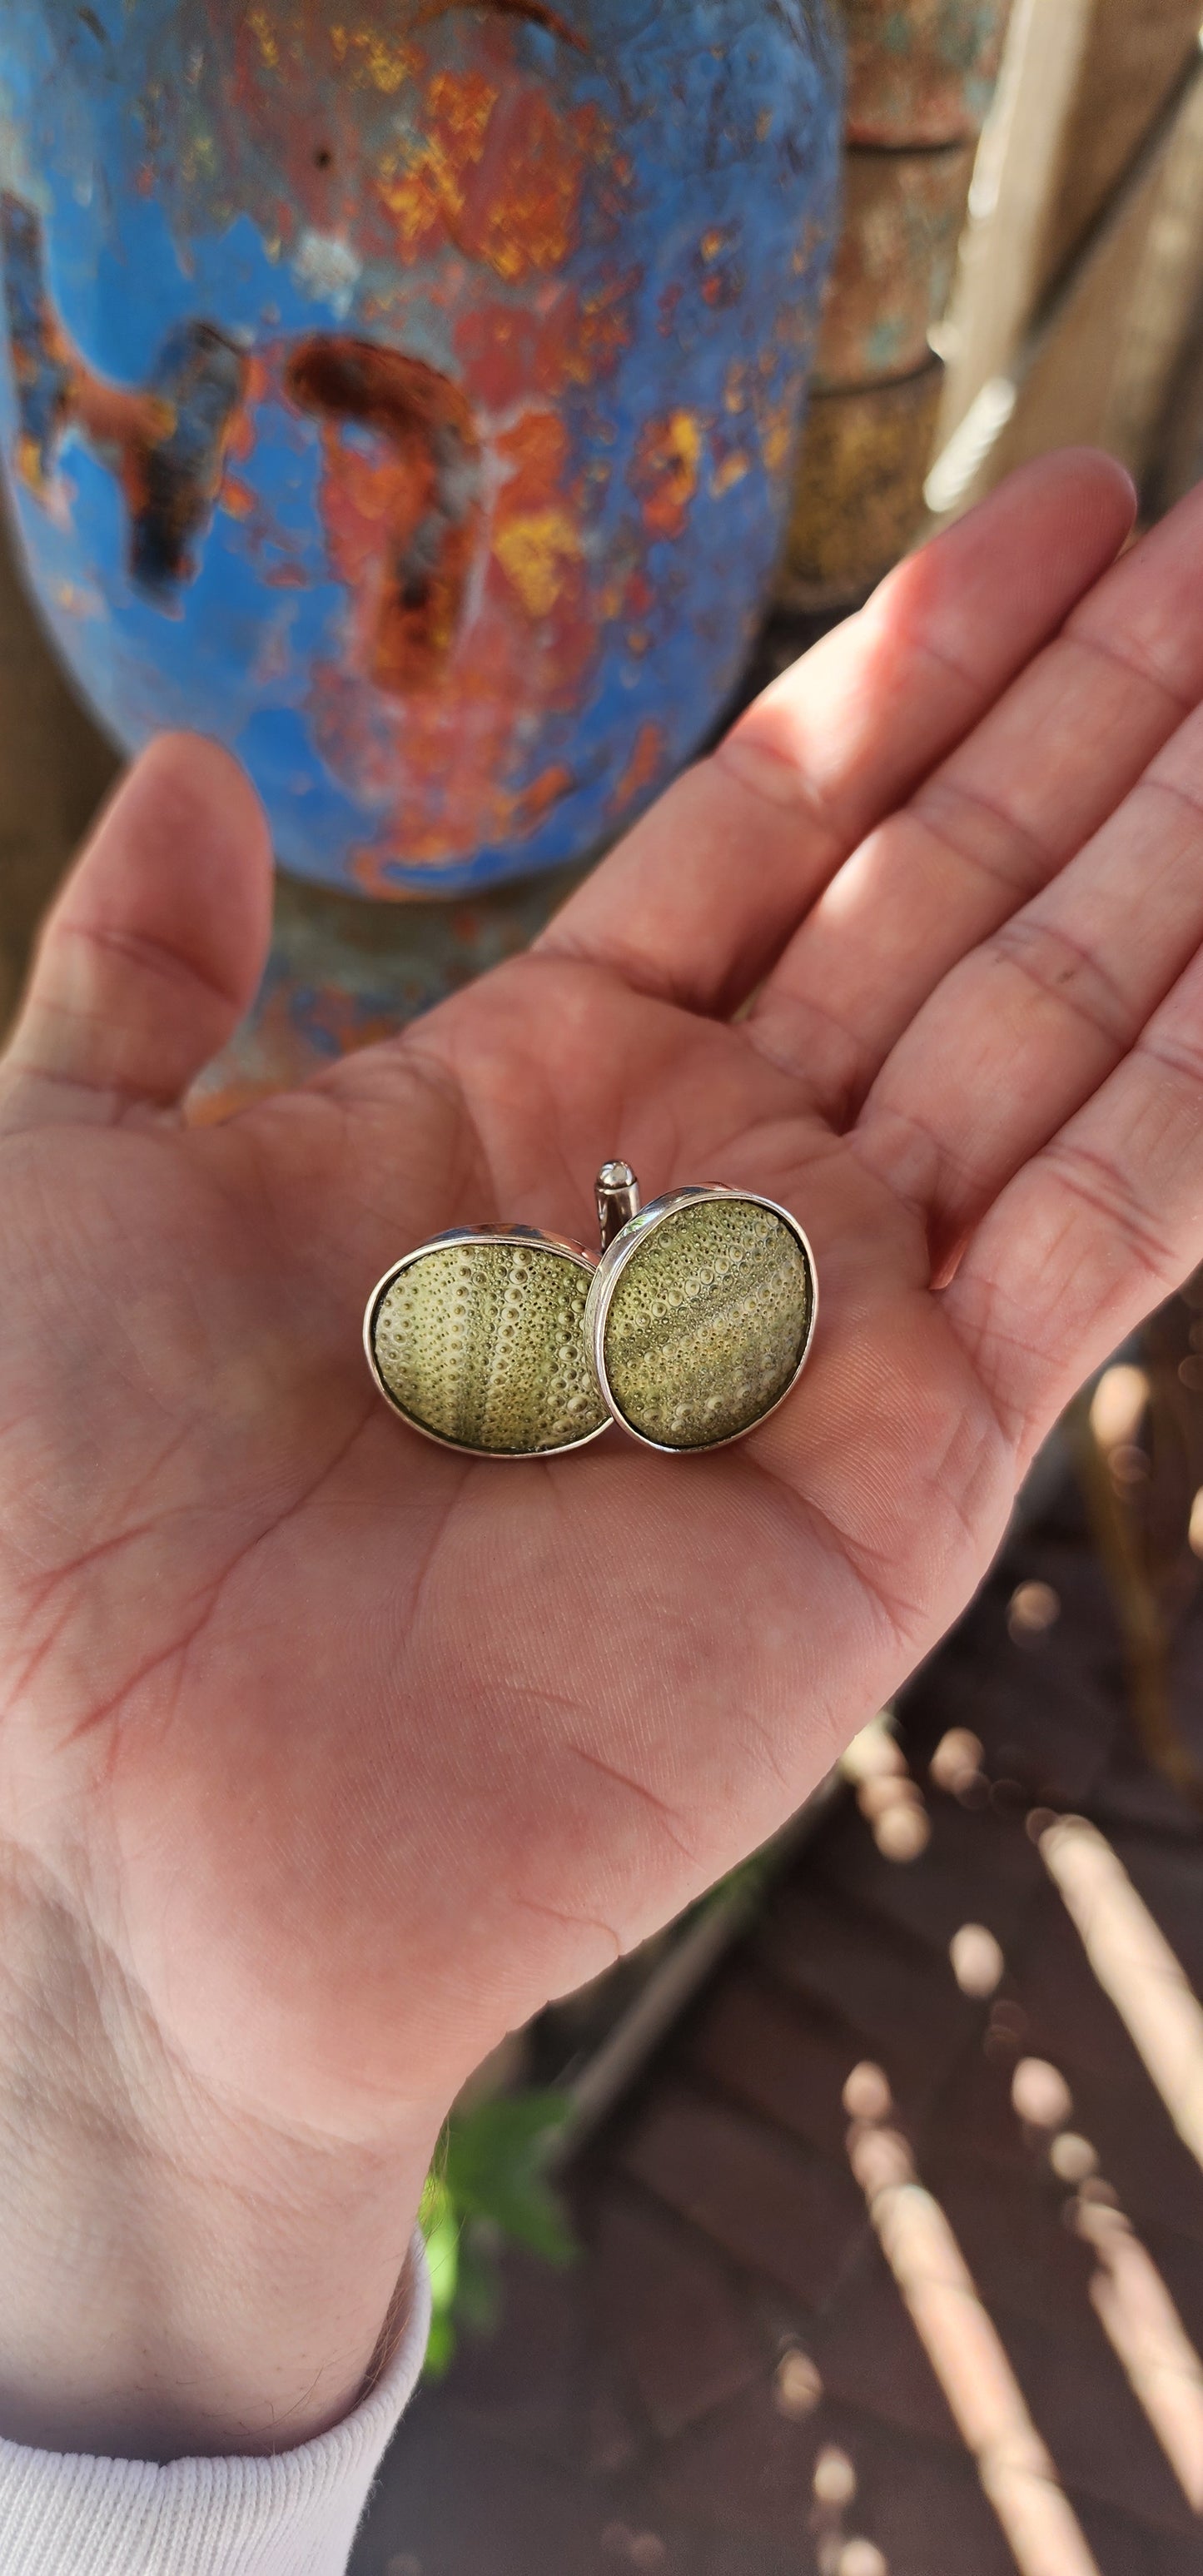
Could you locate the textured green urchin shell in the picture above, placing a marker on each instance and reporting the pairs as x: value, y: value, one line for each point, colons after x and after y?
x: 707, y: 1323
x: 484, y: 1344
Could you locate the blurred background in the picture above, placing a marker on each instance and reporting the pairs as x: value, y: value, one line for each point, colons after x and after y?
x: 857, y: 2225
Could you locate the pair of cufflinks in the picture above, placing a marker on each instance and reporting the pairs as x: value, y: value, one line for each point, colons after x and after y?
x: 691, y: 1325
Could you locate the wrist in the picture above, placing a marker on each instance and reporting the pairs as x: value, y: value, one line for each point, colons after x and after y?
x: 178, y: 2278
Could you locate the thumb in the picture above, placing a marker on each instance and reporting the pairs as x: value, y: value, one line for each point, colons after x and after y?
x: 154, y: 948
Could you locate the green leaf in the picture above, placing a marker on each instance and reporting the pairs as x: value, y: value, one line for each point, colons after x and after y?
x: 493, y: 2167
x: 434, y: 2203
x: 509, y: 2124
x: 489, y: 2176
x: 440, y: 2348
x: 443, y: 2259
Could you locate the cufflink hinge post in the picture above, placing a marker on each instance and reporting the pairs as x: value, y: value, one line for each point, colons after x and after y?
x: 617, y: 1199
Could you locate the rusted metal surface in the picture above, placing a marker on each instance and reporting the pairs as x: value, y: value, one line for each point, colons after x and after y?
x: 920, y: 77
x: 922, y: 71
x: 343, y: 973
x: 903, y: 213
x: 407, y: 394
x: 859, y: 494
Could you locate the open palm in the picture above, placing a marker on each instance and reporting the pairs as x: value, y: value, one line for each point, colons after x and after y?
x: 346, y: 1751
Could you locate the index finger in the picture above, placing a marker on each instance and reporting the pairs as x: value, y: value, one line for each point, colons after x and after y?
x: 700, y: 898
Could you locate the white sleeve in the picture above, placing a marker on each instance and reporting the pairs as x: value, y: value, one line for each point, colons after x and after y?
x: 291, y: 2514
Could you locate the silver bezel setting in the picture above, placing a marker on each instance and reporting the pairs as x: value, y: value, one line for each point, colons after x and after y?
x: 609, y: 1270
x: 519, y: 1237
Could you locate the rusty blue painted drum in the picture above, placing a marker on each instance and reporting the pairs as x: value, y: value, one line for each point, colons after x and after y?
x: 406, y: 393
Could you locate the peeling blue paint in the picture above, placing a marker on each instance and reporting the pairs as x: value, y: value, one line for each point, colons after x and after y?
x: 632, y: 347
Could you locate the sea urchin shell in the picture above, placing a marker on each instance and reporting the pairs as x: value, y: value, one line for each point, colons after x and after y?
x: 478, y: 1340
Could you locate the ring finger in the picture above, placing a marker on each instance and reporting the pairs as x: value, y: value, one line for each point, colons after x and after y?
x: 994, y: 823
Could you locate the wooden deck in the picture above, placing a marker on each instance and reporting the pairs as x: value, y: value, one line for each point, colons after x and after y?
x: 729, y: 2383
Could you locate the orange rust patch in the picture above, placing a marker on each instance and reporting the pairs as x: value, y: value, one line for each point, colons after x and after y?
x: 499, y: 175
x: 235, y: 497
x: 535, y: 549
x: 643, y: 767
x: 604, y: 330
x: 776, y: 423
x: 165, y: 445
x: 385, y: 61
x: 400, y: 521
x: 532, y: 634
x: 532, y: 456
x: 730, y: 468
x: 265, y: 37
x: 533, y: 802
x: 426, y: 189
x: 522, y: 213
x: 665, y: 471
x: 536, y: 533
x: 511, y: 351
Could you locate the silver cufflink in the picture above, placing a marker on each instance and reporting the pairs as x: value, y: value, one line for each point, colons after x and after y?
x: 689, y: 1328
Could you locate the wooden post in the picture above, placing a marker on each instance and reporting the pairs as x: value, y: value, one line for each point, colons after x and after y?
x: 1080, y: 271
x: 1014, y: 189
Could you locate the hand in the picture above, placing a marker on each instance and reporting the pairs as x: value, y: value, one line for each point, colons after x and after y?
x: 329, y: 1755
